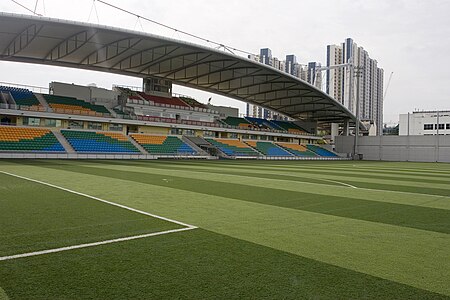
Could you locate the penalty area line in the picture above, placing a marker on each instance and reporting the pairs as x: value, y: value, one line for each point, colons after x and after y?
x: 80, y: 246
x: 101, y: 200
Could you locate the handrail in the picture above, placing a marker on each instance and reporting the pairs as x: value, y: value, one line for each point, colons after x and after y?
x: 32, y: 88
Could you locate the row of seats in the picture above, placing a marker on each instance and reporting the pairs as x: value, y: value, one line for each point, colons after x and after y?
x: 170, y: 145
x: 263, y: 123
x: 238, y: 122
x: 193, y: 103
x: 250, y: 122
x: 297, y: 150
x: 163, y: 100
x: 233, y: 147
x: 70, y: 103
x: 268, y: 148
x: 321, y: 151
x: 288, y: 126
x: 97, y: 142
x: 21, y: 96
x: 28, y: 140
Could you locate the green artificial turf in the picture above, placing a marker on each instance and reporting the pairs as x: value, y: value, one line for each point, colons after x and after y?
x: 273, y: 229
x: 389, y: 213
x: 37, y: 217
x: 192, y: 265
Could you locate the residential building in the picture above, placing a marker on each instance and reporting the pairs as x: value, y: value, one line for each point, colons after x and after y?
x: 314, y: 75
x: 292, y: 67
x: 265, y: 56
x: 307, y: 73
x: 345, y: 89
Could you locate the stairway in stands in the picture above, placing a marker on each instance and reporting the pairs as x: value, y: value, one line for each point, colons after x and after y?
x: 69, y: 149
x: 190, y: 140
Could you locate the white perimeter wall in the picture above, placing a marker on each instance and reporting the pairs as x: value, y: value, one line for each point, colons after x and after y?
x: 398, y: 148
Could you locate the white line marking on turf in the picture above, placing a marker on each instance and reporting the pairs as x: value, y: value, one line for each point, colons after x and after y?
x: 118, y: 240
x: 343, y: 183
x: 101, y: 200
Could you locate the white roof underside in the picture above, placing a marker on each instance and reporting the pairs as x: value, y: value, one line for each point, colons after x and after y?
x: 86, y: 46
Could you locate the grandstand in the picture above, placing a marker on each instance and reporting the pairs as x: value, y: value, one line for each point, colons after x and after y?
x: 77, y: 136
x: 168, y: 112
x: 151, y: 122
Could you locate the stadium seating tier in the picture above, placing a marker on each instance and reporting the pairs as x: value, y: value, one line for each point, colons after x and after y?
x: 163, y: 100
x: 297, y: 150
x: 288, y: 126
x: 268, y: 148
x: 169, y: 145
x: 96, y: 142
x: 238, y: 122
x: 233, y: 147
x: 321, y: 151
x: 28, y: 140
x: 21, y: 96
x: 69, y: 103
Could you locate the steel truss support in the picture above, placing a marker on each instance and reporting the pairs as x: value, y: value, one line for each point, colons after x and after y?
x: 70, y: 45
x: 110, y: 51
x: 22, y: 40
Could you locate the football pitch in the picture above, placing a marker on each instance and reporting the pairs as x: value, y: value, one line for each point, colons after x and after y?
x: 224, y: 230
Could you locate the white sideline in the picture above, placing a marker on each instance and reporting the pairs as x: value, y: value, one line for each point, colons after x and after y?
x: 101, y: 200
x: 93, y: 244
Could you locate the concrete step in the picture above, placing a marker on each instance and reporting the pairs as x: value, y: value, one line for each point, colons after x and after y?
x: 113, y: 113
x: 42, y: 100
x: 140, y: 148
x: 69, y: 149
x: 287, y: 150
x: 8, y: 98
x: 254, y: 149
x: 194, y: 146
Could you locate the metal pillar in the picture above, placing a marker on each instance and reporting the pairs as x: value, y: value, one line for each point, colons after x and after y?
x: 358, y: 75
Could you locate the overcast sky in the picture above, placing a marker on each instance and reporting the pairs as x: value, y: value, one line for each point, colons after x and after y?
x: 408, y: 37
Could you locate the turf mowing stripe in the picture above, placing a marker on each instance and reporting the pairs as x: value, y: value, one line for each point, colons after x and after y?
x: 101, y: 200
x: 333, y: 172
x: 405, y: 189
x: 196, y: 265
x: 283, y: 182
x: 118, y: 240
x: 415, y: 187
x: 330, y: 170
x: 382, y: 212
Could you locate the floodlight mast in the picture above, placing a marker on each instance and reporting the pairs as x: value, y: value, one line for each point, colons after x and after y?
x: 354, y: 71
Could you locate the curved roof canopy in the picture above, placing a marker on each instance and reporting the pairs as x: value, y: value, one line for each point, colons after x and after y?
x: 86, y: 46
